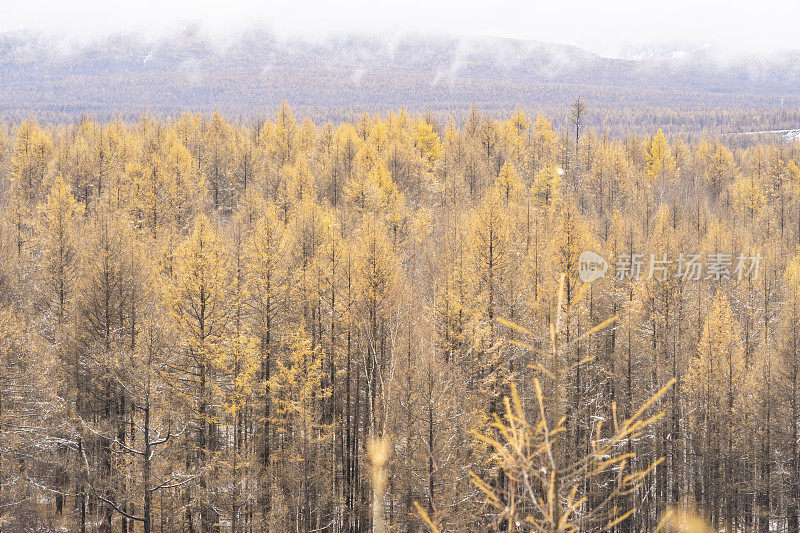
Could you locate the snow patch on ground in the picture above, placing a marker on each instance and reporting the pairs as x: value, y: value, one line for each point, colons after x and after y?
x: 787, y: 135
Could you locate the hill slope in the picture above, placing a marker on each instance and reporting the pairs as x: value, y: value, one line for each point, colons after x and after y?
x: 126, y: 76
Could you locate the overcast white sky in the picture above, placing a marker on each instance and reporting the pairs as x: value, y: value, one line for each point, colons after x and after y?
x: 607, y: 27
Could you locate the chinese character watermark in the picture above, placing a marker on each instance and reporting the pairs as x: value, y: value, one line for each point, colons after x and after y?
x: 685, y: 267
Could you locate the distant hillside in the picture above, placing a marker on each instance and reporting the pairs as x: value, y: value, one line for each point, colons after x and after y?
x: 125, y: 76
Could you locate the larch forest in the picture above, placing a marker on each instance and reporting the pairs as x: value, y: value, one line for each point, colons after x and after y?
x: 209, y: 324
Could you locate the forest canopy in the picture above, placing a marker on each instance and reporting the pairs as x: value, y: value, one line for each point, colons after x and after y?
x: 381, y: 324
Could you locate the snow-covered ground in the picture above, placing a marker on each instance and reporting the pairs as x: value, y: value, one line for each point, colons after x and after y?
x: 788, y: 135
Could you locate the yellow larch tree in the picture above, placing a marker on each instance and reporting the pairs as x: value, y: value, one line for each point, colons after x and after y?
x: 715, y: 380
x: 659, y: 158
x: 29, y: 165
x: 58, y: 241
x: 199, y: 299
x: 508, y: 183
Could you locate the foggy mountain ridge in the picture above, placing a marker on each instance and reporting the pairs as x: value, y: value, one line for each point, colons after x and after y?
x: 126, y: 75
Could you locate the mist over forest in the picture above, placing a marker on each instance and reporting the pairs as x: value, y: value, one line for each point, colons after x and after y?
x: 247, y: 75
